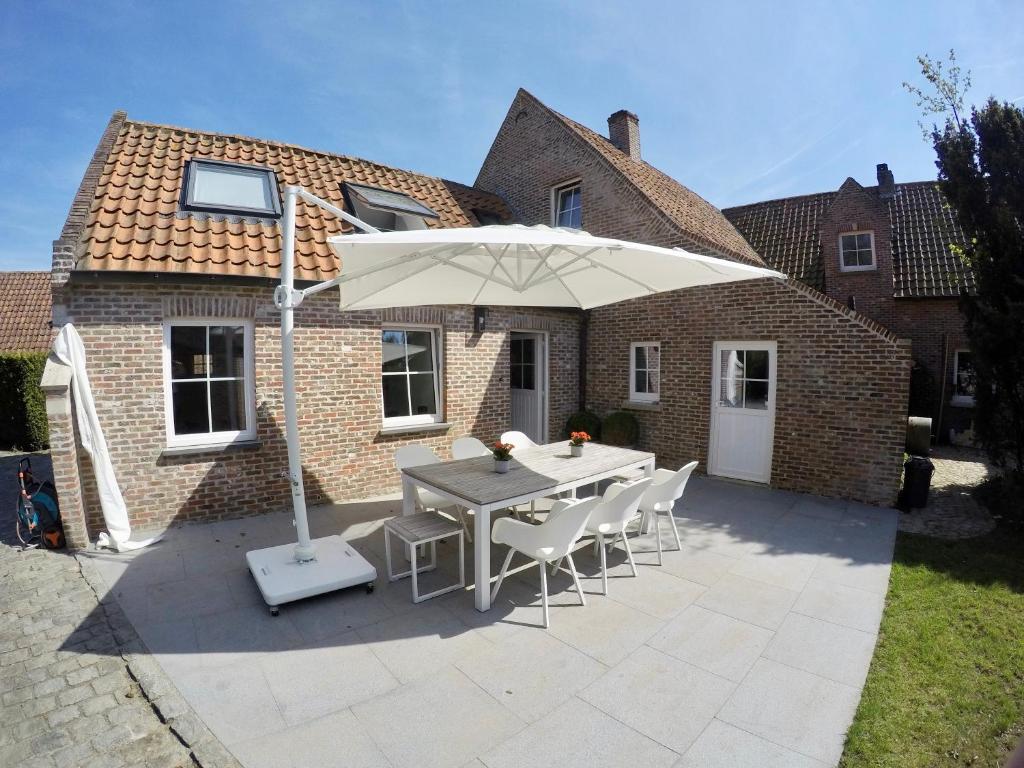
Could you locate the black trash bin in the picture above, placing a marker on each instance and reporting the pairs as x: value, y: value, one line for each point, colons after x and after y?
x: 917, y: 477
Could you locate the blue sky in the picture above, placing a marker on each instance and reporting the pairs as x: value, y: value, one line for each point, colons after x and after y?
x: 739, y: 101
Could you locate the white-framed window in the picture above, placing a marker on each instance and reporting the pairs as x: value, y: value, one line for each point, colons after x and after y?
x: 963, y: 377
x: 568, y: 206
x: 209, y: 382
x: 645, y: 372
x: 411, y: 375
x: 231, y: 188
x: 856, y: 251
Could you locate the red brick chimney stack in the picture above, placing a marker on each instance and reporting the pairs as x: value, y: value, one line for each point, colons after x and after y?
x: 886, y: 182
x: 624, y: 132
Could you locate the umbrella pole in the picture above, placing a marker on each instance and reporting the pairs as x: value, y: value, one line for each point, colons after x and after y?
x: 304, y: 550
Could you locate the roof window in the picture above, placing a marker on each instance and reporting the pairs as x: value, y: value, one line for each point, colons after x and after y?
x: 241, y: 190
x: 386, y: 210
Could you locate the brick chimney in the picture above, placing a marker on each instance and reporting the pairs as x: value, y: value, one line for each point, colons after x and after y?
x: 886, y: 183
x: 624, y: 132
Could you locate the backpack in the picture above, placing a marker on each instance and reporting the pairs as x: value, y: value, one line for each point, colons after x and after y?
x: 38, y: 513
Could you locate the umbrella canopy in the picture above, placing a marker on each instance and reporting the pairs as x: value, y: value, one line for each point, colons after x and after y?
x: 515, y: 265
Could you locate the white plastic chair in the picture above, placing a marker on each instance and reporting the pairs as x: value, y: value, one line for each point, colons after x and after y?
x: 619, y: 506
x: 521, y: 440
x: 554, y: 539
x: 469, y: 448
x: 660, y: 498
x: 417, y: 456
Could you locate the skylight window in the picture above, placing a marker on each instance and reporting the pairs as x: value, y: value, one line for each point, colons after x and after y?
x: 242, y: 190
x: 386, y: 210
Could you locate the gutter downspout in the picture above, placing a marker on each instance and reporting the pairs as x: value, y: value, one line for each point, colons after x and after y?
x: 942, y: 390
x: 584, y: 327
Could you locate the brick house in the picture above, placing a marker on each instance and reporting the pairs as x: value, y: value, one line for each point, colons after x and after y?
x: 824, y: 388
x: 885, y: 251
x: 171, y: 249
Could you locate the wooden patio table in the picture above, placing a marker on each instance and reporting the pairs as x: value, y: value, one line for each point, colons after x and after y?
x: 533, y: 474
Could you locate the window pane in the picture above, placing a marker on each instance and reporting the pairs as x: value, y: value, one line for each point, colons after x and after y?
x: 188, y: 352
x: 227, y: 350
x: 516, y: 351
x: 731, y: 363
x: 227, y: 405
x: 757, y: 364
x: 420, y: 348
x: 517, y: 376
x: 529, y: 351
x: 640, y: 381
x: 864, y: 258
x: 221, y: 186
x: 529, y: 373
x: 864, y: 242
x: 190, y: 412
x: 849, y: 242
x: 964, y: 375
x: 652, y: 382
x: 396, y: 396
x: 421, y: 387
x: 393, y: 350
x: 653, y: 357
x: 756, y: 395
x: 640, y: 357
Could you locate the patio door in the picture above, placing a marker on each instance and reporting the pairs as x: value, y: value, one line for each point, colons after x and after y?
x: 528, y: 370
x: 743, y: 410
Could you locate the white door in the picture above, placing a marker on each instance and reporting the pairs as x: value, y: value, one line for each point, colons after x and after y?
x: 743, y: 410
x: 528, y: 372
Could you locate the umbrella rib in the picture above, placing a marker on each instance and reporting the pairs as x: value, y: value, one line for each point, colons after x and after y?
x: 485, y: 282
x: 542, y: 261
x: 499, y: 260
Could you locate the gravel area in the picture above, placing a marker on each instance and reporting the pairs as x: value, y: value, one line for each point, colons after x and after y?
x: 952, y: 511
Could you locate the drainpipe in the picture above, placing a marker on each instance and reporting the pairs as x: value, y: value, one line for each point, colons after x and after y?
x: 584, y: 317
x: 942, y: 388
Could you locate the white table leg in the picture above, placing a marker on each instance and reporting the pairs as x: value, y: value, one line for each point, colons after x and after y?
x: 645, y: 522
x: 408, y: 495
x: 482, y: 558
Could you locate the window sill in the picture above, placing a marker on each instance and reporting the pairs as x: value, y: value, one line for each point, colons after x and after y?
x: 437, y: 426
x: 188, y: 450
x: 962, y: 402
x: 636, y: 405
x: 854, y: 270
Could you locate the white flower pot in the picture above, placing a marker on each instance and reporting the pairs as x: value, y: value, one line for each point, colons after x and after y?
x: 501, y: 467
x: 575, y: 450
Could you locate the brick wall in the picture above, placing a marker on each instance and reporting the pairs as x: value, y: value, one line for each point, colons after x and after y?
x: 841, y: 392
x: 856, y: 209
x: 936, y: 330
x: 344, y: 453
x: 533, y: 152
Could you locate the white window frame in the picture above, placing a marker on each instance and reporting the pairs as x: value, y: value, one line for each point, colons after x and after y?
x: 556, y: 194
x: 643, y: 397
x: 212, y: 439
x: 857, y: 267
x: 962, y: 400
x: 417, y: 419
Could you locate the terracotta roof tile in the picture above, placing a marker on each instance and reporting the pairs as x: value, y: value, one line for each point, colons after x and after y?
x: 697, y: 219
x: 785, y: 233
x: 135, y: 223
x: 25, y: 311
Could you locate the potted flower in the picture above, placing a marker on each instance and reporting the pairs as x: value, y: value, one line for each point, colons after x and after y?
x: 576, y: 442
x: 501, y: 453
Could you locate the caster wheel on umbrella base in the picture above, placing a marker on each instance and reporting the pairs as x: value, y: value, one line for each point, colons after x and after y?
x: 274, y: 610
x: 369, y: 588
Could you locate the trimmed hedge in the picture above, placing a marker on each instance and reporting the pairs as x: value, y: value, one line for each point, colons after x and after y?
x: 620, y: 428
x: 22, y: 404
x: 584, y: 421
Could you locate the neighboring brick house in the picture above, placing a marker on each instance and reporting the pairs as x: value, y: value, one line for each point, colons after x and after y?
x: 171, y: 250
x: 896, y: 267
x: 765, y: 381
x: 25, y: 311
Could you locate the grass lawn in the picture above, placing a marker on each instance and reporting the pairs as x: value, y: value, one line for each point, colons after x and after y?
x: 946, y: 685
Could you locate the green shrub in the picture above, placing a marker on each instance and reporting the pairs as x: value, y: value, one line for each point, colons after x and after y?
x: 584, y: 421
x: 620, y: 428
x: 22, y: 404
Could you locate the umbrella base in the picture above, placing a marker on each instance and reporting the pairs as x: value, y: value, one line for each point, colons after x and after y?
x: 282, y: 579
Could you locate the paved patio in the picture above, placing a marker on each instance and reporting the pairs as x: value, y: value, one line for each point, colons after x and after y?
x: 748, y: 648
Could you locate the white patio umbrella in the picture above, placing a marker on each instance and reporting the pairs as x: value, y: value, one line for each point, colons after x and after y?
x: 509, y: 265
x: 514, y: 265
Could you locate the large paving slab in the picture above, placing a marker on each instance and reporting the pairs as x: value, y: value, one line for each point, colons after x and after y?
x: 747, y: 647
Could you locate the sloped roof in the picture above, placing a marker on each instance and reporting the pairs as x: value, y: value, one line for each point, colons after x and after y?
x: 135, y: 223
x: 698, y: 220
x: 785, y: 233
x: 25, y: 310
